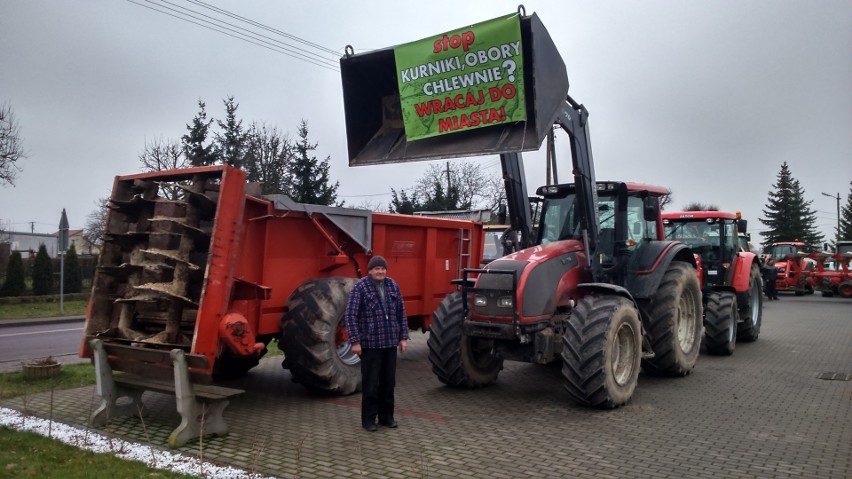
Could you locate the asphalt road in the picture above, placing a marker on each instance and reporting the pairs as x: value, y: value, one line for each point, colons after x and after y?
x: 23, y: 340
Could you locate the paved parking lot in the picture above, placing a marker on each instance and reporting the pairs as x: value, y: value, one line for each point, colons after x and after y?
x: 762, y: 412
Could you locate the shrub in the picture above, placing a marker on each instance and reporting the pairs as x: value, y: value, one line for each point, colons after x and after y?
x: 73, y: 272
x: 42, y: 273
x: 15, y: 282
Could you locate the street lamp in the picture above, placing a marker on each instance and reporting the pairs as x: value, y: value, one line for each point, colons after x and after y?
x: 837, y: 232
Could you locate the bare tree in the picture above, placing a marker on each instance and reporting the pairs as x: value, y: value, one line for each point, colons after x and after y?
x: 666, y: 199
x: 160, y: 155
x: 11, y: 145
x: 267, y: 158
x: 698, y: 206
x: 476, y: 188
x: 96, y: 222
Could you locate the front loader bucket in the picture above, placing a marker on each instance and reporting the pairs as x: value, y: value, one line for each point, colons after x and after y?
x: 374, y: 125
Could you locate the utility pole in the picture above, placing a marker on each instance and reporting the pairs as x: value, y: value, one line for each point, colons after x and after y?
x: 447, y: 196
x: 837, y: 231
x: 63, y: 245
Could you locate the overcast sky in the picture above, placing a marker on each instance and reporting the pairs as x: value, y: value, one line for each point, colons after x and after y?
x: 705, y: 98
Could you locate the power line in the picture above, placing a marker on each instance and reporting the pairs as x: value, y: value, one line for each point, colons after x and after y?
x: 267, y: 28
x: 241, y: 33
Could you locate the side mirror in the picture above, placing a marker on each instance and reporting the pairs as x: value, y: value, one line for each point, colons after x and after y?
x: 649, y: 208
x: 742, y: 226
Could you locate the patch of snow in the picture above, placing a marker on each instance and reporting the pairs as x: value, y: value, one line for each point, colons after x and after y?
x: 92, y: 441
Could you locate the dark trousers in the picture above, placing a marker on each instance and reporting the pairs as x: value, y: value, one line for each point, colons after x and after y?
x: 378, y: 378
x: 771, y: 293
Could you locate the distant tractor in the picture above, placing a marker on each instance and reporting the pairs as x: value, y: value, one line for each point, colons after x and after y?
x: 793, y: 265
x: 730, y: 277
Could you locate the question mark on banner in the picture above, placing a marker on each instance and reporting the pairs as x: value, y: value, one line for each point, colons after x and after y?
x: 510, y: 66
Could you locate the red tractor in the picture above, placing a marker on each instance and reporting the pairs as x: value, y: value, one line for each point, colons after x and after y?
x: 595, y: 285
x: 730, y: 277
x: 793, y: 266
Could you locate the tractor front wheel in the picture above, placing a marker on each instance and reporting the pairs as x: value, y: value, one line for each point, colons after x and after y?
x: 720, y: 323
x: 602, y: 350
x: 845, y: 289
x: 458, y: 360
x: 312, y: 337
x: 674, y: 328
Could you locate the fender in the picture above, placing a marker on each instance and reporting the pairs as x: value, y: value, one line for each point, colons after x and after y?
x: 650, y: 262
x: 742, y: 271
x: 607, y: 288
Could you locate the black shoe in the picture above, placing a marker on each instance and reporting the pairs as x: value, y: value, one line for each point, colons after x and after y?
x: 391, y: 424
x: 371, y: 427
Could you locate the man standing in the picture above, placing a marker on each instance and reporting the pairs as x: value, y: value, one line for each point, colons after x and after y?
x: 376, y: 322
x: 770, y: 275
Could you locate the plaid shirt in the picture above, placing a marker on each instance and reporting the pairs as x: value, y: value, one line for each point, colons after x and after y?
x: 369, y: 322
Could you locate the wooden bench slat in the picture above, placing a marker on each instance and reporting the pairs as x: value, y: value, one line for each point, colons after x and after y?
x: 154, y: 356
x: 201, y: 390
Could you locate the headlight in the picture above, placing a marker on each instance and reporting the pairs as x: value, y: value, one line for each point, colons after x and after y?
x: 504, y: 302
x: 479, y: 300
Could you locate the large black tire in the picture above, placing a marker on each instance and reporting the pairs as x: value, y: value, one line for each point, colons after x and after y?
x: 457, y: 360
x: 602, y: 350
x: 674, y: 328
x: 720, y: 323
x: 312, y: 338
x: 752, y: 313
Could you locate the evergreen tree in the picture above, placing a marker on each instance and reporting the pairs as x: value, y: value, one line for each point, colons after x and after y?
x: 193, y: 142
x: 311, y: 176
x: 788, y: 216
x: 42, y: 273
x: 231, y: 142
x: 845, y: 232
x: 73, y: 274
x: 15, y: 283
x: 437, y: 200
x: 403, y: 204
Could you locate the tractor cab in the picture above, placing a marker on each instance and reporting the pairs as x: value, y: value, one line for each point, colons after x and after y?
x: 627, y: 213
x: 713, y: 235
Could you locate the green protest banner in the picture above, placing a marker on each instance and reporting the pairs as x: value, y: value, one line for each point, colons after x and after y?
x: 467, y: 78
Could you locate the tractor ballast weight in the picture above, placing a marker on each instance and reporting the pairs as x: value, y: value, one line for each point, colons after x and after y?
x: 374, y: 126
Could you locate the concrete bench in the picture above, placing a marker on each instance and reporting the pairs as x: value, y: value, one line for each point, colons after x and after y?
x: 200, y: 406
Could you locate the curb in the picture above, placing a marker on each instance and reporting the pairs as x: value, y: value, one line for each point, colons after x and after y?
x: 55, y: 320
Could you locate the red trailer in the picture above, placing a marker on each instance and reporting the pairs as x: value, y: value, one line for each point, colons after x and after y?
x: 190, y: 261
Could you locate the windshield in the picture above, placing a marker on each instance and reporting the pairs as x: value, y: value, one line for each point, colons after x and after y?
x: 781, y: 251
x: 560, y: 220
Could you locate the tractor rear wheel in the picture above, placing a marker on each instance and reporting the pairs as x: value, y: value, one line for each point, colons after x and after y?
x: 602, y: 350
x: 752, y: 314
x: 674, y: 328
x: 720, y: 323
x: 313, y: 339
x: 458, y: 360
